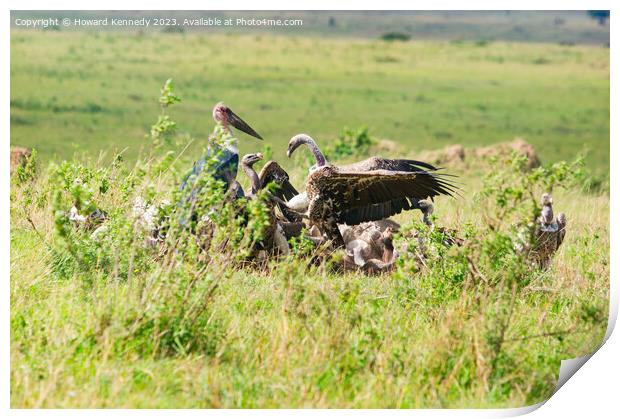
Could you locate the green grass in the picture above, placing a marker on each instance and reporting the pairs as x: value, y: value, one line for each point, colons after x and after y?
x: 87, y: 91
x: 111, y: 323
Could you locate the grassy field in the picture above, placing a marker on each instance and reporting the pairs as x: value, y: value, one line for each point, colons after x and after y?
x: 138, y: 331
x: 110, y: 322
x: 92, y: 92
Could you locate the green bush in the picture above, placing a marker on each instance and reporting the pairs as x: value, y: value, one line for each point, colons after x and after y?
x: 350, y: 143
x: 395, y: 36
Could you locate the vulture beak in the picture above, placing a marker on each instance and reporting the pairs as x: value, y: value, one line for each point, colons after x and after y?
x: 240, y: 124
x: 292, y: 146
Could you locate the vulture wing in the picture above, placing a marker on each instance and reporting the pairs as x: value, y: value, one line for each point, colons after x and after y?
x: 273, y: 172
x: 376, y: 212
x: 376, y: 194
x: 397, y: 165
x: 562, y: 228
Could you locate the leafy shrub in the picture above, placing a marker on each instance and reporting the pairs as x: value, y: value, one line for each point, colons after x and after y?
x: 165, y: 127
x: 490, y: 264
x: 27, y: 170
x: 167, y: 262
x: 350, y: 142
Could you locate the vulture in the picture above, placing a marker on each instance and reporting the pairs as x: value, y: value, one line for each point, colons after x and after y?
x: 549, y: 233
x: 369, y: 246
x: 275, y: 238
x: 449, y: 236
x: 280, y: 228
x: 370, y: 190
x: 273, y: 174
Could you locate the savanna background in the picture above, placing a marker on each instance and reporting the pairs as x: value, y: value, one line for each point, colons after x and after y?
x: 110, y: 323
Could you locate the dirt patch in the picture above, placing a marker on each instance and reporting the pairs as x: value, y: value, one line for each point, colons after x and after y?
x: 518, y: 144
x: 386, y: 146
x: 456, y: 155
x: 19, y: 156
x: 452, y: 155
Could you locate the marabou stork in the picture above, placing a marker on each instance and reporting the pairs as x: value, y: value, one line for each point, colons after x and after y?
x: 221, y: 157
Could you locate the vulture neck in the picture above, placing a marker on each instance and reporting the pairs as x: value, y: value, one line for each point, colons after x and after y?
x: 388, y: 253
x: 547, y: 214
x: 426, y: 219
x: 254, y: 182
x: 318, y: 156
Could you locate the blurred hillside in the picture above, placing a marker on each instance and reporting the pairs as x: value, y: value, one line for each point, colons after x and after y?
x: 92, y: 91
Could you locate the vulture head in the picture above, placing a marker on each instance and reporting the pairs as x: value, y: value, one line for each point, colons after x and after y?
x: 300, y: 139
x: 250, y: 159
x: 427, y: 209
x: 546, y: 199
x: 247, y: 163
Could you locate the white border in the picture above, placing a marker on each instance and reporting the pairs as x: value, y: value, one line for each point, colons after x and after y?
x: 594, y: 388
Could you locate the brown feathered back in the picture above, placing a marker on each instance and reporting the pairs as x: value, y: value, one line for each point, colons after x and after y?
x: 352, y: 197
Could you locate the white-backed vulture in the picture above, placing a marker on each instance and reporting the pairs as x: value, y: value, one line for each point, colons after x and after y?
x: 371, y: 190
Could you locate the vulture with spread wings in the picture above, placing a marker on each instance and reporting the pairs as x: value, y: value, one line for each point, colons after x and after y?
x: 371, y: 190
x: 273, y: 173
x: 288, y: 224
x: 275, y: 239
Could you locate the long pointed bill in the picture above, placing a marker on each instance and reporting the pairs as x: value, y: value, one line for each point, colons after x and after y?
x: 241, y: 125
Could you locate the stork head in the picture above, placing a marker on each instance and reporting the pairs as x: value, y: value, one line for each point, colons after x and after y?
x: 223, y: 115
x: 546, y: 199
x: 250, y: 159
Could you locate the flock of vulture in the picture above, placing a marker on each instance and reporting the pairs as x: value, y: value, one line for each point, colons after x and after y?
x: 345, y: 207
x: 341, y: 207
